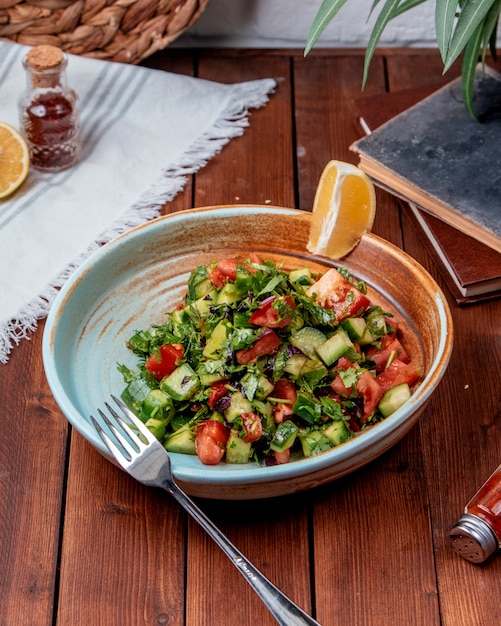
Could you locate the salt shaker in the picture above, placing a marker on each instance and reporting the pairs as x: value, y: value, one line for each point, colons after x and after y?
x: 477, y: 534
x: 48, y: 111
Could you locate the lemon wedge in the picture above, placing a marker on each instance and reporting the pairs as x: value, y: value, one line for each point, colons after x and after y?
x: 14, y: 159
x: 343, y: 210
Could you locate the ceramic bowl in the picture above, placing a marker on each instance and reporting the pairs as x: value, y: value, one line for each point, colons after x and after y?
x: 132, y: 281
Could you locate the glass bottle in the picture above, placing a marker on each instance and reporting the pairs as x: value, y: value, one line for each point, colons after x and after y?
x: 48, y: 111
x: 477, y: 534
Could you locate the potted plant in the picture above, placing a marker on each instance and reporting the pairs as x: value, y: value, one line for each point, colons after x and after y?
x: 467, y: 27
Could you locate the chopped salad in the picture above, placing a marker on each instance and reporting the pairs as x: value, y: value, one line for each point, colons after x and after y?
x: 264, y: 364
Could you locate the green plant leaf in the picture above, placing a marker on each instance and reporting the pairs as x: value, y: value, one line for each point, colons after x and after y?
x: 385, y: 15
x: 472, y: 14
x: 470, y: 61
x: 445, y: 15
x: 408, y: 4
x: 491, y: 28
x: 325, y: 15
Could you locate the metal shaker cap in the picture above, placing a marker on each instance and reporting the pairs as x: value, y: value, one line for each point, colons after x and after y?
x: 473, y: 539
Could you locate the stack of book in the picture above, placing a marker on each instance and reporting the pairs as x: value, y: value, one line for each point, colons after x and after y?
x: 445, y: 166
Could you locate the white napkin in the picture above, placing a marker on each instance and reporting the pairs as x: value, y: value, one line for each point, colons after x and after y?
x: 143, y: 131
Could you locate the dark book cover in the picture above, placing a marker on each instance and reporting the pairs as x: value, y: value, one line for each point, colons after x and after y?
x: 436, y: 155
x: 472, y: 270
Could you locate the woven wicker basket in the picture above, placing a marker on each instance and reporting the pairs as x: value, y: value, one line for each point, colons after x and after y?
x: 116, y: 30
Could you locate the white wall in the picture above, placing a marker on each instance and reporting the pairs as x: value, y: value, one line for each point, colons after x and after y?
x: 285, y: 23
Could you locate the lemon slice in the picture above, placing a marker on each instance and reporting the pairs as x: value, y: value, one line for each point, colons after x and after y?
x: 14, y: 159
x: 343, y: 210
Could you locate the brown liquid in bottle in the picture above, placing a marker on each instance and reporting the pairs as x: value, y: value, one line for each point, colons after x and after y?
x: 49, y: 116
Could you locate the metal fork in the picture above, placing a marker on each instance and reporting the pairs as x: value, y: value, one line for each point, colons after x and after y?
x: 144, y: 458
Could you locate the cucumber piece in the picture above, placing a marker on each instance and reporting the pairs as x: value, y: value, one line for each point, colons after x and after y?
x: 238, y: 405
x: 256, y: 386
x: 264, y: 388
x: 334, y: 347
x: 216, y: 340
x: 314, y: 442
x: 202, y: 305
x: 307, y: 339
x: 199, y: 284
x: 307, y: 407
x: 140, y: 342
x: 182, y: 441
x: 367, y: 339
x: 228, y: 294
x: 135, y: 394
x: 301, y: 276
x: 156, y: 427
x: 394, y: 398
x: 181, y: 384
x: 237, y: 450
x: 178, y: 318
x: 295, y: 364
x: 337, y: 432
x: 207, y: 379
x: 313, y: 371
x: 376, y: 322
x: 355, y: 327
x: 157, y: 405
x: 284, y: 436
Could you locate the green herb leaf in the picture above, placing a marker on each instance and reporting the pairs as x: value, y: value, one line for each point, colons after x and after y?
x: 331, y: 408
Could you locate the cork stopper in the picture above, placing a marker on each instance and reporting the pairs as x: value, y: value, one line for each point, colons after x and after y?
x: 46, y: 67
x: 44, y: 58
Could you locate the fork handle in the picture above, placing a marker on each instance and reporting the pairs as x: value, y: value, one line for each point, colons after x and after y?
x: 280, y: 606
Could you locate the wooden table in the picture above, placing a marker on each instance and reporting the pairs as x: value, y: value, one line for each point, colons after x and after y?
x: 83, y: 544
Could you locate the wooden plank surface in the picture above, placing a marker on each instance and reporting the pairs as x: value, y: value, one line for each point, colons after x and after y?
x: 358, y: 557
x: 85, y: 544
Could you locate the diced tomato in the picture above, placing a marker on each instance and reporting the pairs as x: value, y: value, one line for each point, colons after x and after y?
x: 228, y: 267
x: 282, y: 457
x: 285, y: 389
x: 253, y: 426
x: 217, y: 278
x: 337, y: 383
x: 397, y: 373
x: 333, y: 291
x: 370, y: 390
x: 345, y: 364
x: 339, y: 387
x: 164, y: 361
x: 281, y: 412
x: 269, y: 315
x: 217, y: 391
x: 266, y: 343
x: 210, y: 441
x: 390, y: 347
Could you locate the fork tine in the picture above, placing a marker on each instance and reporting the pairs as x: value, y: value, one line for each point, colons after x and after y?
x: 122, y: 456
x: 121, y: 431
x: 137, y: 423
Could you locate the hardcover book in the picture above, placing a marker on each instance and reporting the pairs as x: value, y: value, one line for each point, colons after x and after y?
x: 471, y: 269
x: 439, y: 157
